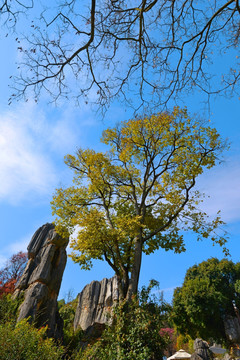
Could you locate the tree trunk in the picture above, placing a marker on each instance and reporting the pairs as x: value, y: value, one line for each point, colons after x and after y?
x: 123, y: 284
x: 133, y: 283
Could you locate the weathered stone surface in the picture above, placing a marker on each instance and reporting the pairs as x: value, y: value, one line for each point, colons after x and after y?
x: 232, y: 329
x: 227, y: 356
x: 95, y: 302
x: 42, y: 278
x: 195, y: 356
x: 201, y: 350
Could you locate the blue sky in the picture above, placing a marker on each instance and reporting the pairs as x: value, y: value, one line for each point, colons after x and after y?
x: 33, y: 141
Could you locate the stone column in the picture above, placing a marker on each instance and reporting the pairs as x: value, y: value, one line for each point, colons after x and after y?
x: 41, y: 280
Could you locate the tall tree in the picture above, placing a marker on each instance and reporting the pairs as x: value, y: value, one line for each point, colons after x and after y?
x: 208, y: 294
x: 138, y: 196
x: 106, y: 50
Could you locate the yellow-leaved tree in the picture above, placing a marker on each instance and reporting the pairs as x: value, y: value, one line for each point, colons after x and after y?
x: 139, y: 195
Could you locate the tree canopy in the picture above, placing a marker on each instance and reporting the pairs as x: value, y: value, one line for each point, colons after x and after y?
x: 115, y: 49
x: 138, y: 196
x: 206, y: 297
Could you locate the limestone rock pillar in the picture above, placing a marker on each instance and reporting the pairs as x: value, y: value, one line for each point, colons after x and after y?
x: 42, y: 278
x: 95, y: 302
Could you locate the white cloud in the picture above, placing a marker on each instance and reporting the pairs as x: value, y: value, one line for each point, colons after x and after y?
x: 33, y: 142
x: 17, y: 246
x: 24, y: 166
x: 222, y: 184
x: 30, y: 147
x: 13, y: 248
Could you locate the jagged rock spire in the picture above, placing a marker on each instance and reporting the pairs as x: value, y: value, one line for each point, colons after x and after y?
x: 42, y: 278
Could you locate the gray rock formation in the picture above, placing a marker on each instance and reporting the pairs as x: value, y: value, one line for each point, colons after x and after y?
x: 227, y: 357
x: 95, y: 302
x: 41, y: 280
x: 232, y: 329
x: 201, y: 350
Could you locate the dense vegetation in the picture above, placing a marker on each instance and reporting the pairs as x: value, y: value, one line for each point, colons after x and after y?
x: 209, y: 293
x: 24, y: 342
x: 135, y: 333
x: 145, y: 328
x: 135, y: 330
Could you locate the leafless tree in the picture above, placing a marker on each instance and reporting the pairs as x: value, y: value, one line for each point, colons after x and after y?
x: 143, y: 52
x: 10, y: 9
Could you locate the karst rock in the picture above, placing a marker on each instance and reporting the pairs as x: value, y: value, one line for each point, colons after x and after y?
x: 95, y: 302
x: 41, y: 280
x: 201, y: 350
x: 232, y: 329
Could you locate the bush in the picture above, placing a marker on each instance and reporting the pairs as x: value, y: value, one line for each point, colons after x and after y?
x: 185, y: 342
x: 135, y: 331
x: 24, y: 342
x: 8, y: 308
x: 71, y: 338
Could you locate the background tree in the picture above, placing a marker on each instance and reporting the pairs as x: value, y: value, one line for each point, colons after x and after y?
x: 12, y: 272
x: 113, y: 49
x: 206, y: 298
x: 139, y: 196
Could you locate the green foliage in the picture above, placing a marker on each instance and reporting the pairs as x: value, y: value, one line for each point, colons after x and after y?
x: 24, y: 342
x: 8, y: 308
x: 185, y: 342
x: 134, y: 333
x: 138, y: 197
x: 206, y: 297
x: 71, y: 338
x: 67, y: 311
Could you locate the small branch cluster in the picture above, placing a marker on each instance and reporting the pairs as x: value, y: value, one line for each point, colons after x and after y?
x: 10, y: 10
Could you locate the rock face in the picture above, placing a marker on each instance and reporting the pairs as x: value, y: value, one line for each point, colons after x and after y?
x: 232, y: 329
x: 42, y: 278
x: 201, y: 350
x: 95, y: 302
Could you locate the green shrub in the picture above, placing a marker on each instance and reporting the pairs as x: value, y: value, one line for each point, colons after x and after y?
x: 71, y: 338
x: 8, y: 308
x: 24, y: 342
x: 134, y: 333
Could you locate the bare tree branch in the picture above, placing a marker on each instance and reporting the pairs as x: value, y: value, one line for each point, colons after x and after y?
x: 10, y: 10
x: 117, y: 50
